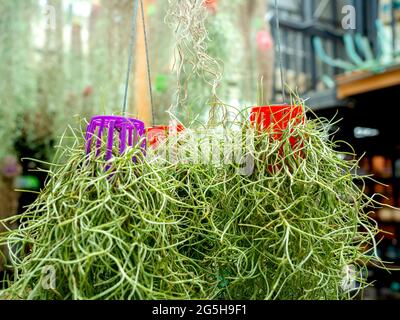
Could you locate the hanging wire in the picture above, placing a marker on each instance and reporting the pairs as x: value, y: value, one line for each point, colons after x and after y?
x: 278, y: 35
x: 131, y: 48
x: 148, y: 63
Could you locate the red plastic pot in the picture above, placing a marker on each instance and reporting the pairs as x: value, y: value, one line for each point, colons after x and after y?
x: 277, y: 118
x: 156, y: 134
x: 211, y: 5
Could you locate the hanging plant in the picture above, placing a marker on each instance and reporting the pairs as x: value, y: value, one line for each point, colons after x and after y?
x: 198, y: 230
x: 18, y: 85
x: 232, y: 213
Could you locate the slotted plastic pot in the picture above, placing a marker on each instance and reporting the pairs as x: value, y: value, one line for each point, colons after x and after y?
x: 157, y: 134
x: 130, y: 131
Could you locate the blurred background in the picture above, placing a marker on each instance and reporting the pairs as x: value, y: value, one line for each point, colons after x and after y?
x: 61, y: 60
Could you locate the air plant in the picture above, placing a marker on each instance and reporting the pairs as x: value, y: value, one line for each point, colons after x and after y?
x: 184, y: 227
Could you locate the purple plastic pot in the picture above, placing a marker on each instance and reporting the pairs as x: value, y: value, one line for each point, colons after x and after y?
x: 130, y: 133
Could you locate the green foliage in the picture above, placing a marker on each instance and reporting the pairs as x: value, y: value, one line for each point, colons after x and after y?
x: 18, y: 82
x: 164, y: 229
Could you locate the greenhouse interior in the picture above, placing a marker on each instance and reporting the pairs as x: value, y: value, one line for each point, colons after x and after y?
x: 199, y: 150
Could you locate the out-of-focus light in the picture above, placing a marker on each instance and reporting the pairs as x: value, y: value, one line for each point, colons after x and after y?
x: 341, y: 156
x: 27, y: 183
x: 79, y: 9
x: 361, y: 132
x: 211, y: 5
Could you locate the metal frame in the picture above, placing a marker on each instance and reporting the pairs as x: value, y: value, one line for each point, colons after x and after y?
x: 308, y: 28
